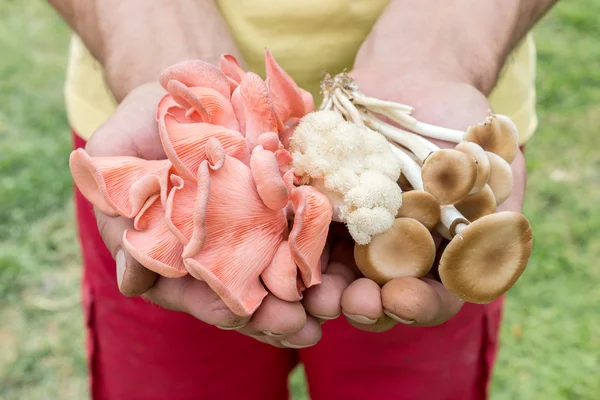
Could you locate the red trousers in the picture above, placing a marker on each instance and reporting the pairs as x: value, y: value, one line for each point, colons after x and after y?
x: 139, y: 351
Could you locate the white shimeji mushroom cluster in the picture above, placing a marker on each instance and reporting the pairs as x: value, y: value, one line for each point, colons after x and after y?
x: 393, y: 187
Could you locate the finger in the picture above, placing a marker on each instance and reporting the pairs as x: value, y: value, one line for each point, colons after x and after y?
x: 276, y: 318
x: 309, y: 335
x: 272, y: 341
x: 361, y: 302
x: 324, y: 301
x: 194, y: 297
x: 420, y: 302
x: 325, y: 255
x: 132, y: 278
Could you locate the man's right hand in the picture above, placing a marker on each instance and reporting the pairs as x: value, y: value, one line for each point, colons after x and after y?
x: 132, y: 131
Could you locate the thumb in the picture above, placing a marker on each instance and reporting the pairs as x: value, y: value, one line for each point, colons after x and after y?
x: 130, y: 131
x: 133, y: 278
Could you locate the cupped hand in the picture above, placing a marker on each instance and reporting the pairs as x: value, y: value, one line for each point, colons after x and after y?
x: 132, y: 131
x: 412, y: 301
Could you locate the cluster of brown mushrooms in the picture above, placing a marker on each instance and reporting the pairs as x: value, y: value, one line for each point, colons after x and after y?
x: 452, y: 191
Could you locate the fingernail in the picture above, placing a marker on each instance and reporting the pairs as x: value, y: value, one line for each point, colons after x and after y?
x: 295, y: 346
x: 324, y: 317
x: 361, y: 319
x: 397, y: 318
x: 268, y: 333
x: 121, y: 266
x: 231, y: 328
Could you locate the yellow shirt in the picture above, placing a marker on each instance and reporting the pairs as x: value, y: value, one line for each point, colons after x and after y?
x: 318, y: 37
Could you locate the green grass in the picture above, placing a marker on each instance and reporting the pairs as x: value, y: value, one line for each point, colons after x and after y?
x: 551, y: 334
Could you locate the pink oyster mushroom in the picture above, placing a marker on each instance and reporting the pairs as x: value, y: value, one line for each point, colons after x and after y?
x: 223, y: 206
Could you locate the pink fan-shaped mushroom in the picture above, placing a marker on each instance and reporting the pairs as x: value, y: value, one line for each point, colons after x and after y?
x: 118, y: 185
x: 242, y: 235
x: 220, y: 206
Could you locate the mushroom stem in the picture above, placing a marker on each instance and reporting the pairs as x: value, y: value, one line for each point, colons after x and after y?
x: 453, y: 220
x: 435, y: 132
x: 327, y: 103
x: 359, y: 98
x: 410, y: 169
x: 404, y: 138
x: 345, y: 104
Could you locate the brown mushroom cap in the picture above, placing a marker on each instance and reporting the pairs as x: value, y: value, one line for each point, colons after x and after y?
x: 487, y: 257
x: 404, y: 183
x: 498, y: 134
x: 406, y: 249
x: 422, y: 206
x: 478, y: 205
x: 483, y: 163
x: 501, y: 178
x: 449, y: 175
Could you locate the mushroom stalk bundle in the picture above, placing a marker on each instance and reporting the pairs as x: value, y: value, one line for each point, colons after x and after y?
x: 454, y: 191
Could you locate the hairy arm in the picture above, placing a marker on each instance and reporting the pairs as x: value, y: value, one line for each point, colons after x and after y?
x: 136, y: 39
x: 463, y: 39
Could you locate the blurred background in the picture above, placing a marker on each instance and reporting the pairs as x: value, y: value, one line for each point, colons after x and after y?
x: 551, y: 332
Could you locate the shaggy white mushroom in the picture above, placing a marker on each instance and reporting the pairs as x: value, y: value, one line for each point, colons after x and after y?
x: 353, y: 166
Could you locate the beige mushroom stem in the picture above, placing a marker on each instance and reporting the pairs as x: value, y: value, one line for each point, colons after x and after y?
x: 453, y: 220
x: 410, y: 169
x: 342, y: 102
x: 359, y: 98
x: 418, y: 145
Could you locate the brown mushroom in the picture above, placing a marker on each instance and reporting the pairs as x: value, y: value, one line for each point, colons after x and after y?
x: 449, y: 175
x: 498, y: 134
x: 486, y: 257
x: 406, y: 249
x: 501, y: 178
x: 422, y: 206
x: 483, y: 163
x: 404, y: 183
x: 477, y: 205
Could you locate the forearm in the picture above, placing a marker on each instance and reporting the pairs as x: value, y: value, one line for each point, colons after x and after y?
x: 136, y: 39
x: 463, y: 39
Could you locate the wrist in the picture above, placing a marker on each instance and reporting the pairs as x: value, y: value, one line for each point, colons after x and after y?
x: 141, y: 39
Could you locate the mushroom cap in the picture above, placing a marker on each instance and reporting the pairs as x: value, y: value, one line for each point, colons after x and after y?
x: 488, y: 256
x: 449, y: 175
x: 406, y: 249
x: 501, y: 178
x: 483, y: 163
x: 422, y: 206
x: 404, y: 183
x: 498, y: 134
x: 478, y: 205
